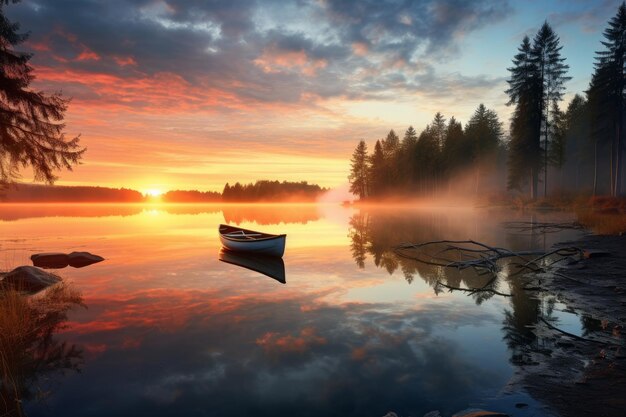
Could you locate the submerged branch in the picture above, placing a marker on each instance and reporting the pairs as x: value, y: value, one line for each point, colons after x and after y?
x: 573, y: 336
x: 483, y: 259
x: 471, y: 291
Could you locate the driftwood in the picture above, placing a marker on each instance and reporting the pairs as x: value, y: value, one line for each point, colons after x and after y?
x: 471, y: 291
x: 574, y: 336
x: 477, y: 255
x: 483, y: 259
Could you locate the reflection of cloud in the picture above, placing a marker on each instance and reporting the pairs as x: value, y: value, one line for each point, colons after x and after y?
x: 263, y: 354
x: 275, y: 343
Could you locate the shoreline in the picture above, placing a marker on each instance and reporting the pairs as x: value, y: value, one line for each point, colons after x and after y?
x: 583, y: 375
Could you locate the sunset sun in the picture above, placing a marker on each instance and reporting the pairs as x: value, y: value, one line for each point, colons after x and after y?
x: 153, y: 193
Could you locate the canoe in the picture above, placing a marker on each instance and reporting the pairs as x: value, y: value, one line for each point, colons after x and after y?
x: 243, y: 240
x: 272, y: 266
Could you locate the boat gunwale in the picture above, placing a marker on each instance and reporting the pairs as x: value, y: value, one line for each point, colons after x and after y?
x: 266, y: 236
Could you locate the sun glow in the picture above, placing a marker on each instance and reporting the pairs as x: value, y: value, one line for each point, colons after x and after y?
x: 153, y: 193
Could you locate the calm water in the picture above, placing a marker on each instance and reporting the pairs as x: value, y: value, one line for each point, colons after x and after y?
x: 354, y: 331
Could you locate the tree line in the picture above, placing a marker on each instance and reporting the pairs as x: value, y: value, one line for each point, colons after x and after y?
x: 580, y: 149
x: 24, y: 193
x: 426, y: 164
x: 263, y: 190
x: 268, y: 191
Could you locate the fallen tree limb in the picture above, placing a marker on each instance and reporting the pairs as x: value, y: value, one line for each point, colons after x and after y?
x: 483, y: 259
x: 573, y: 336
x: 472, y: 290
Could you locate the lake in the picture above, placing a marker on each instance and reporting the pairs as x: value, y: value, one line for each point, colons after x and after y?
x: 169, y: 329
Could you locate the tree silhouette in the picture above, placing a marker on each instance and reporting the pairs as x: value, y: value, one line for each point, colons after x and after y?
x: 31, y: 123
x: 377, y: 171
x: 406, y: 168
x: 484, y: 132
x: 551, y: 70
x: 608, y: 91
x: 359, y: 170
x: 556, y: 151
x: 457, y: 151
x: 578, y: 146
x: 524, y: 148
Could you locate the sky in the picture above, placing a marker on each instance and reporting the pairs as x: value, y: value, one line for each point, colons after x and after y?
x: 192, y: 94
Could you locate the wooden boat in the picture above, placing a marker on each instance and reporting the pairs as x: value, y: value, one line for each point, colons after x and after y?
x: 272, y: 266
x: 243, y: 240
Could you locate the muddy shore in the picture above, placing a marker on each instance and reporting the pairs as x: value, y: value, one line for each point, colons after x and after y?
x: 583, y: 375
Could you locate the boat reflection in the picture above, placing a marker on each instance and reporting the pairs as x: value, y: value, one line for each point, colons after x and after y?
x: 29, y: 351
x: 271, y: 266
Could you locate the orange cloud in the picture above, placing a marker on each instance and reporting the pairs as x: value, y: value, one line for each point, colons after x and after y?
x: 360, y: 48
x: 88, y: 55
x: 125, y: 60
x: 273, y: 60
x: 274, y: 342
x: 162, y: 92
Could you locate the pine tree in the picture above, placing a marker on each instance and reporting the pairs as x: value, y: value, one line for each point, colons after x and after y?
x: 359, y: 171
x: 579, y: 149
x: 405, y: 158
x: 438, y: 129
x: 551, y: 69
x: 426, y: 159
x: 484, y: 131
x: 31, y: 123
x: 525, y: 92
x: 556, y: 152
x: 609, y: 86
x: 377, y: 171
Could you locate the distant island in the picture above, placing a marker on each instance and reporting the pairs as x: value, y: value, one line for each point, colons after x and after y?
x: 260, y: 191
x: 268, y: 191
x: 35, y: 193
x: 191, y: 196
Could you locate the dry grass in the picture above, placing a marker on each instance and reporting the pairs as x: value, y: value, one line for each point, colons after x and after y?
x: 27, y: 346
x: 602, y: 222
x: 607, y: 204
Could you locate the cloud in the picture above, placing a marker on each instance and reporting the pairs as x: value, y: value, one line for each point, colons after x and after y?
x: 589, y: 17
x: 222, y: 53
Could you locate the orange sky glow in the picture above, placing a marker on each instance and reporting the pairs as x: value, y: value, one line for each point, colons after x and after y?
x: 172, y: 94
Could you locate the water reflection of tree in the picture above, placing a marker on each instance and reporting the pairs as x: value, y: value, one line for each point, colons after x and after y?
x: 375, y: 234
x: 29, y: 350
x: 357, y: 232
x: 270, y: 214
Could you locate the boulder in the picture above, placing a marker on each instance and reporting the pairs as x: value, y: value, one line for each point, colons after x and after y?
x: 81, y: 259
x: 479, y: 413
x: 29, y: 278
x: 50, y: 260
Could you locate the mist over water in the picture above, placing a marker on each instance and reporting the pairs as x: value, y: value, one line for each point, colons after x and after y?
x: 354, y: 331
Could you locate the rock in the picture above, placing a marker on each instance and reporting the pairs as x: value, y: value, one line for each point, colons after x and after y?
x: 81, y: 259
x: 50, y: 260
x: 29, y: 278
x: 435, y: 413
x: 479, y: 413
x: 590, y: 253
x: 521, y: 405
